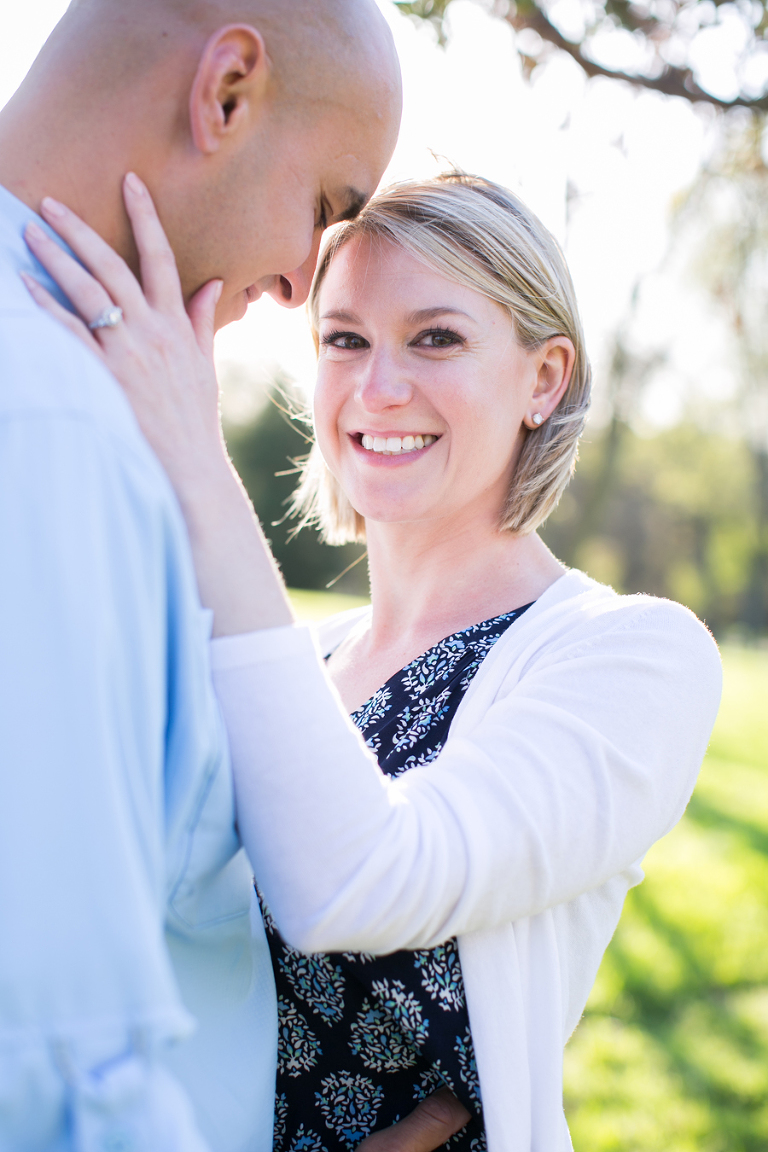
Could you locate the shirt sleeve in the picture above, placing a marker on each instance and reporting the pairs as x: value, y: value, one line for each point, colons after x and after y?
x: 88, y: 1000
x: 575, y: 768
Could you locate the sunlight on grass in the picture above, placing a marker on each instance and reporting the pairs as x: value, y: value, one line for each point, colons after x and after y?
x: 672, y: 1052
x: 310, y: 607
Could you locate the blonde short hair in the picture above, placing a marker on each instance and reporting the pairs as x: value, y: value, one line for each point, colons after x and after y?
x: 480, y: 235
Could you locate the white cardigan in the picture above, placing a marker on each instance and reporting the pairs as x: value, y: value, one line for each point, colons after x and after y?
x: 575, y: 747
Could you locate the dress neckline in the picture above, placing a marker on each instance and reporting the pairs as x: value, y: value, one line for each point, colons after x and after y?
x: 472, y: 630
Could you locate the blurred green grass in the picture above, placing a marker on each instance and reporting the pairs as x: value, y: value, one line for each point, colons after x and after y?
x: 672, y: 1052
x: 311, y: 606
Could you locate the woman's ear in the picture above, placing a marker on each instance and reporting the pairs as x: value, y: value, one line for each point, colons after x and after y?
x: 555, y: 359
x: 229, y: 87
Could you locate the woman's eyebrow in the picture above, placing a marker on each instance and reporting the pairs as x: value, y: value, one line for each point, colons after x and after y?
x: 417, y: 317
x: 342, y: 317
x: 430, y: 313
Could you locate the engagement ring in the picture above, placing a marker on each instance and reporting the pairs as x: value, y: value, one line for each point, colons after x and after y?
x: 109, y: 318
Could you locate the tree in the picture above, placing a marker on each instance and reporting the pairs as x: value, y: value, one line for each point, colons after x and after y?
x: 675, y: 520
x: 626, y: 376
x: 667, y: 34
x: 265, y: 451
x: 724, y: 220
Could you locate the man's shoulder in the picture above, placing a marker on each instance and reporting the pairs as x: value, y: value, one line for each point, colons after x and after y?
x: 47, y: 374
x: 45, y: 367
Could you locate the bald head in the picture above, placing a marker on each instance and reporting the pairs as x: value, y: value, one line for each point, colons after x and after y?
x: 314, y: 46
x: 254, y: 122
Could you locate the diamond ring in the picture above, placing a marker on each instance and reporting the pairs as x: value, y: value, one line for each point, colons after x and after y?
x: 109, y: 318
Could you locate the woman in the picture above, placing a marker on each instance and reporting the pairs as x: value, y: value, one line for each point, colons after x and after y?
x: 535, y: 733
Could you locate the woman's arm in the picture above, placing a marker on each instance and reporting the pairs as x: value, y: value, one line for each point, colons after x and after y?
x: 569, y: 777
x: 162, y: 355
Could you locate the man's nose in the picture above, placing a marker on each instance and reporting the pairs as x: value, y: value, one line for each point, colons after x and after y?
x: 292, y: 288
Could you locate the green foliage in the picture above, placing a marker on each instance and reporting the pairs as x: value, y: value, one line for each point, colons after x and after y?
x: 432, y: 11
x: 725, y: 219
x: 263, y: 451
x: 672, y: 1052
x: 674, y: 515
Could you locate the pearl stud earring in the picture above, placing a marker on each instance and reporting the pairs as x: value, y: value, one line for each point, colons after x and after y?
x: 537, y: 418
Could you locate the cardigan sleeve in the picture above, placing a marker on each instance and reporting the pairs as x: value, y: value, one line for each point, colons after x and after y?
x: 573, y: 770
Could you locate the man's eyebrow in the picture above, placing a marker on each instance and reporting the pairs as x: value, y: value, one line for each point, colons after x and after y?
x: 355, y: 201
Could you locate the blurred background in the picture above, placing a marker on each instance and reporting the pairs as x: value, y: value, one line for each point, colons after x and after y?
x: 637, y: 132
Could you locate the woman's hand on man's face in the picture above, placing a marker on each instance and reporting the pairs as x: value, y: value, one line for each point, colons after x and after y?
x: 428, y: 1127
x: 160, y: 352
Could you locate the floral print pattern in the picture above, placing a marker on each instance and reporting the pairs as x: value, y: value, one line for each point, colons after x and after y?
x: 297, y: 1046
x: 467, y: 1065
x: 316, y: 981
x: 441, y: 975
x: 377, y: 1043
x: 349, y: 1105
x: 363, y: 1038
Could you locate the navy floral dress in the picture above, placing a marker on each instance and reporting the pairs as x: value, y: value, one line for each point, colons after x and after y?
x: 363, y: 1038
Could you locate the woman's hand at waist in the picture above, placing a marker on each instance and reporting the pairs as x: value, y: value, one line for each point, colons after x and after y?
x: 427, y: 1128
x: 161, y: 353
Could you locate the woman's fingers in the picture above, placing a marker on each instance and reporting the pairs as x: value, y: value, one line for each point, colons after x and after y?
x: 159, y: 275
x: 427, y: 1128
x: 43, y: 297
x: 108, y: 269
x: 202, y: 314
x: 84, y: 291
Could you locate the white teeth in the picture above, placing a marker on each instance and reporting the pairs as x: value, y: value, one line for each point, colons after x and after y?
x: 393, y: 445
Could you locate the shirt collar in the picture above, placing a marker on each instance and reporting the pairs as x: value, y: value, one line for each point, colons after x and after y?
x: 14, y: 253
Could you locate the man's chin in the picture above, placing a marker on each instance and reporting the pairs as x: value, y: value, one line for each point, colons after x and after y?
x: 231, y: 308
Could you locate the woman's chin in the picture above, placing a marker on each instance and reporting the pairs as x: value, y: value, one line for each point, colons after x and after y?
x: 374, y: 512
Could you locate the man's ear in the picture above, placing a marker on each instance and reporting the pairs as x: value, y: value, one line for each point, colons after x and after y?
x: 230, y: 86
x: 555, y: 361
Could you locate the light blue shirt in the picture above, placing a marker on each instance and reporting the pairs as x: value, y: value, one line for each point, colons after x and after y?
x: 137, y: 1008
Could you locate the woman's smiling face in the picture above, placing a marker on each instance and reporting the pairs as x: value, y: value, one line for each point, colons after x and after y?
x: 406, y: 353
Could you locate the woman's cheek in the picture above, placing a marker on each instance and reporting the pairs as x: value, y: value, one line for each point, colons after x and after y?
x: 325, y: 417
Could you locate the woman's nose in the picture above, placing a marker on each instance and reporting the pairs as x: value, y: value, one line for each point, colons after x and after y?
x: 292, y: 288
x: 382, y: 383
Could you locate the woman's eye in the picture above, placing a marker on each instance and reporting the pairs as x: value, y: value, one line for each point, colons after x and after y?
x: 438, y: 338
x: 349, y: 340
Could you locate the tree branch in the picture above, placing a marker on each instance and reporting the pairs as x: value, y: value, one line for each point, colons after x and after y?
x: 672, y: 81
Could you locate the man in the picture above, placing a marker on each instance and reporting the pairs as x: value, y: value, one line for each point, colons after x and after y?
x: 125, y: 905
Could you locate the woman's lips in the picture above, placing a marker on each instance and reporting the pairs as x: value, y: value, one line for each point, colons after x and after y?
x: 392, y: 448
